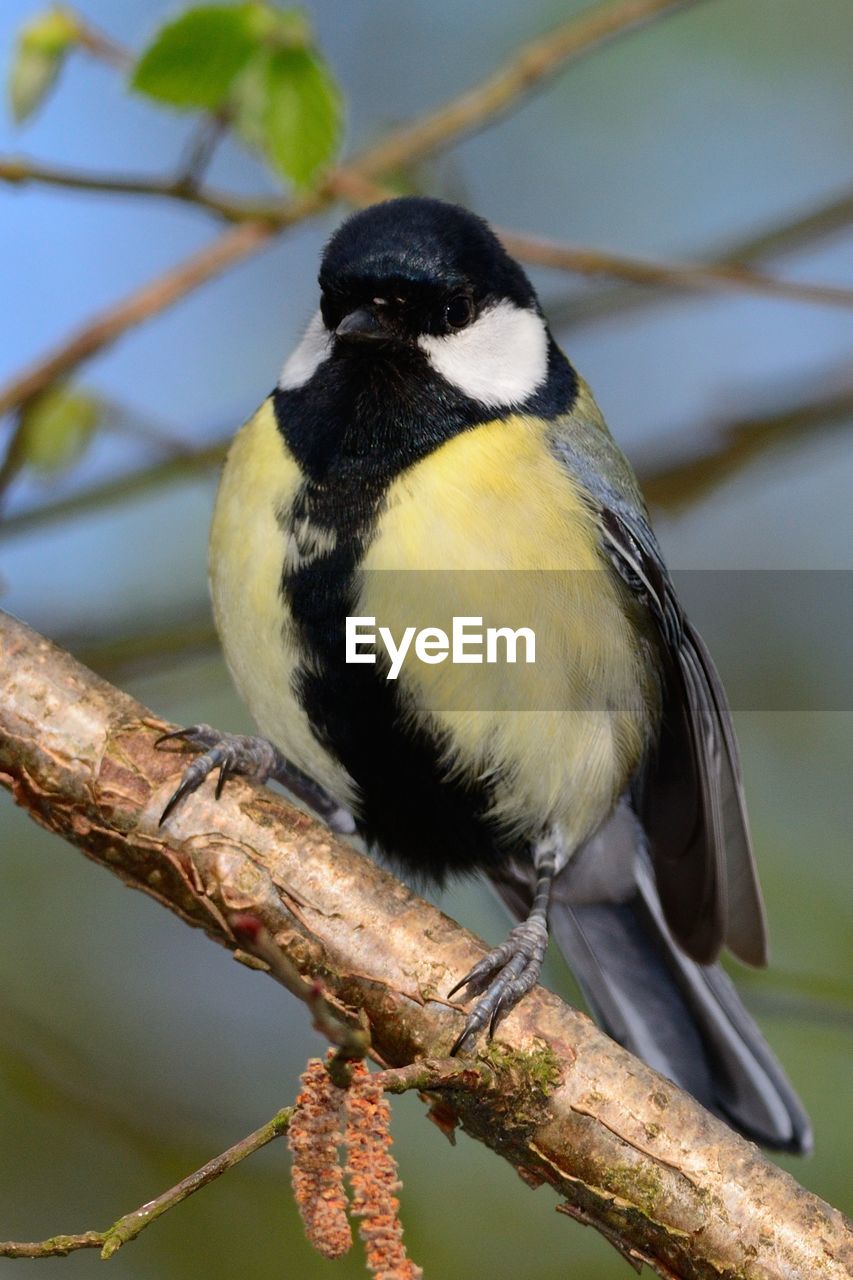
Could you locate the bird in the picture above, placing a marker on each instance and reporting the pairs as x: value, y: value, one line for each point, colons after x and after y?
x: 429, y: 454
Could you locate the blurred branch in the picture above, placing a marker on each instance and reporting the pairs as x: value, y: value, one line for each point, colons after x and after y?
x: 773, y: 241
x: 129, y: 1227
x: 156, y: 296
x: 119, y: 656
x: 258, y: 223
x: 185, y: 466
x: 667, y: 485
x: 208, y: 134
x: 74, y: 1091
x: 356, y: 187
x: 816, y: 224
x: 732, y: 447
x: 428, y: 1075
x: 99, y: 45
x: 109, y: 417
x: 565, y: 1105
x: 150, y: 300
x: 20, y: 171
x: 529, y: 66
x: 675, y: 275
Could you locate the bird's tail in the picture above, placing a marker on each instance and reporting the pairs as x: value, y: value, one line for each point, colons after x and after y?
x: 684, y: 1019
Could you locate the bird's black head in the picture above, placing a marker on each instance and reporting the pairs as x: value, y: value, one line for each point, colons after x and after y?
x: 426, y: 327
x: 418, y: 266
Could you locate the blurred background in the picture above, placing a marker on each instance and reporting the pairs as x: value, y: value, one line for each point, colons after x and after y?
x: 131, y: 1049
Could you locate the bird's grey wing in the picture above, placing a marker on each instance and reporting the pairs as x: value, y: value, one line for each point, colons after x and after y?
x: 690, y: 794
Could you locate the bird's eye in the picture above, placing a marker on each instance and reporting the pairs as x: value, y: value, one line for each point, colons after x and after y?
x: 459, y: 311
x: 329, y: 309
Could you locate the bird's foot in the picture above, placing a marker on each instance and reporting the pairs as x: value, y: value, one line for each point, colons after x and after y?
x: 230, y: 753
x: 503, y: 977
x: 255, y: 758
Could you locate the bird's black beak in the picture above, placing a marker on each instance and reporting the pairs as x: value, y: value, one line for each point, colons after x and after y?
x: 360, y: 325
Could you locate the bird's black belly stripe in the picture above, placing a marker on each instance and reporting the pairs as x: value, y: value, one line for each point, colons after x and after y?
x: 429, y: 823
x: 352, y: 431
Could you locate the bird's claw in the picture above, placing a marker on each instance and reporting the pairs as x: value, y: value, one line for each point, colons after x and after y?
x: 230, y: 753
x: 501, y: 978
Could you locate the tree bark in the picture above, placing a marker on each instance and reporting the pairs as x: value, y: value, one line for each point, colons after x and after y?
x: 630, y: 1153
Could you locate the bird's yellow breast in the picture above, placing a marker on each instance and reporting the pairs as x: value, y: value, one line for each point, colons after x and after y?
x: 491, y: 525
x: 249, y: 545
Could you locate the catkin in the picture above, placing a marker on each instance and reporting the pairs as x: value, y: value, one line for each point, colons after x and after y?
x: 314, y: 1136
x: 372, y: 1173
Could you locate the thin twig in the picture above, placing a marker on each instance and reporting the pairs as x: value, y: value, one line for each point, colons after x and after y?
x: 140, y: 651
x: 436, y: 1073
x: 55, y: 1247
x: 128, y: 1227
x: 668, y: 485
x: 352, y: 1041
x: 773, y: 241
x: 229, y: 248
x: 19, y: 171
x: 199, y: 153
x: 354, y: 187
x: 739, y: 279
x: 150, y: 300
x: 825, y: 219
x: 193, y: 462
x: 673, y: 484
x: 102, y: 46
x: 430, y: 1074
x: 528, y: 67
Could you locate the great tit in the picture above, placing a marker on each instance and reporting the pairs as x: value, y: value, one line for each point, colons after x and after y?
x: 430, y: 454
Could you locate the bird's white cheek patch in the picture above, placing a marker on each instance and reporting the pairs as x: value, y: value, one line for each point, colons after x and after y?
x: 500, y: 360
x: 304, y: 362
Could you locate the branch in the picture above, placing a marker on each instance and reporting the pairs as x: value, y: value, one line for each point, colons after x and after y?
x: 431, y: 1076
x: 674, y: 275
x: 129, y: 1227
x: 529, y: 66
x: 779, y: 238
x: 672, y: 485
x: 258, y: 222
x: 823, y: 220
x: 726, y: 276
x: 21, y: 171
x: 101, y: 46
x: 192, y: 462
x: 229, y: 248
x: 731, y: 446
x: 636, y: 1157
x: 354, y: 186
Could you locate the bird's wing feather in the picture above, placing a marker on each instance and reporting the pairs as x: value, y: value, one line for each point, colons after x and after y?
x: 690, y: 794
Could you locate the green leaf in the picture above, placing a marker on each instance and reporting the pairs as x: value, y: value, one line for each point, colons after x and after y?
x: 248, y: 101
x: 56, y: 428
x: 279, y: 28
x: 193, y: 61
x: 41, y: 49
x: 290, y: 108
